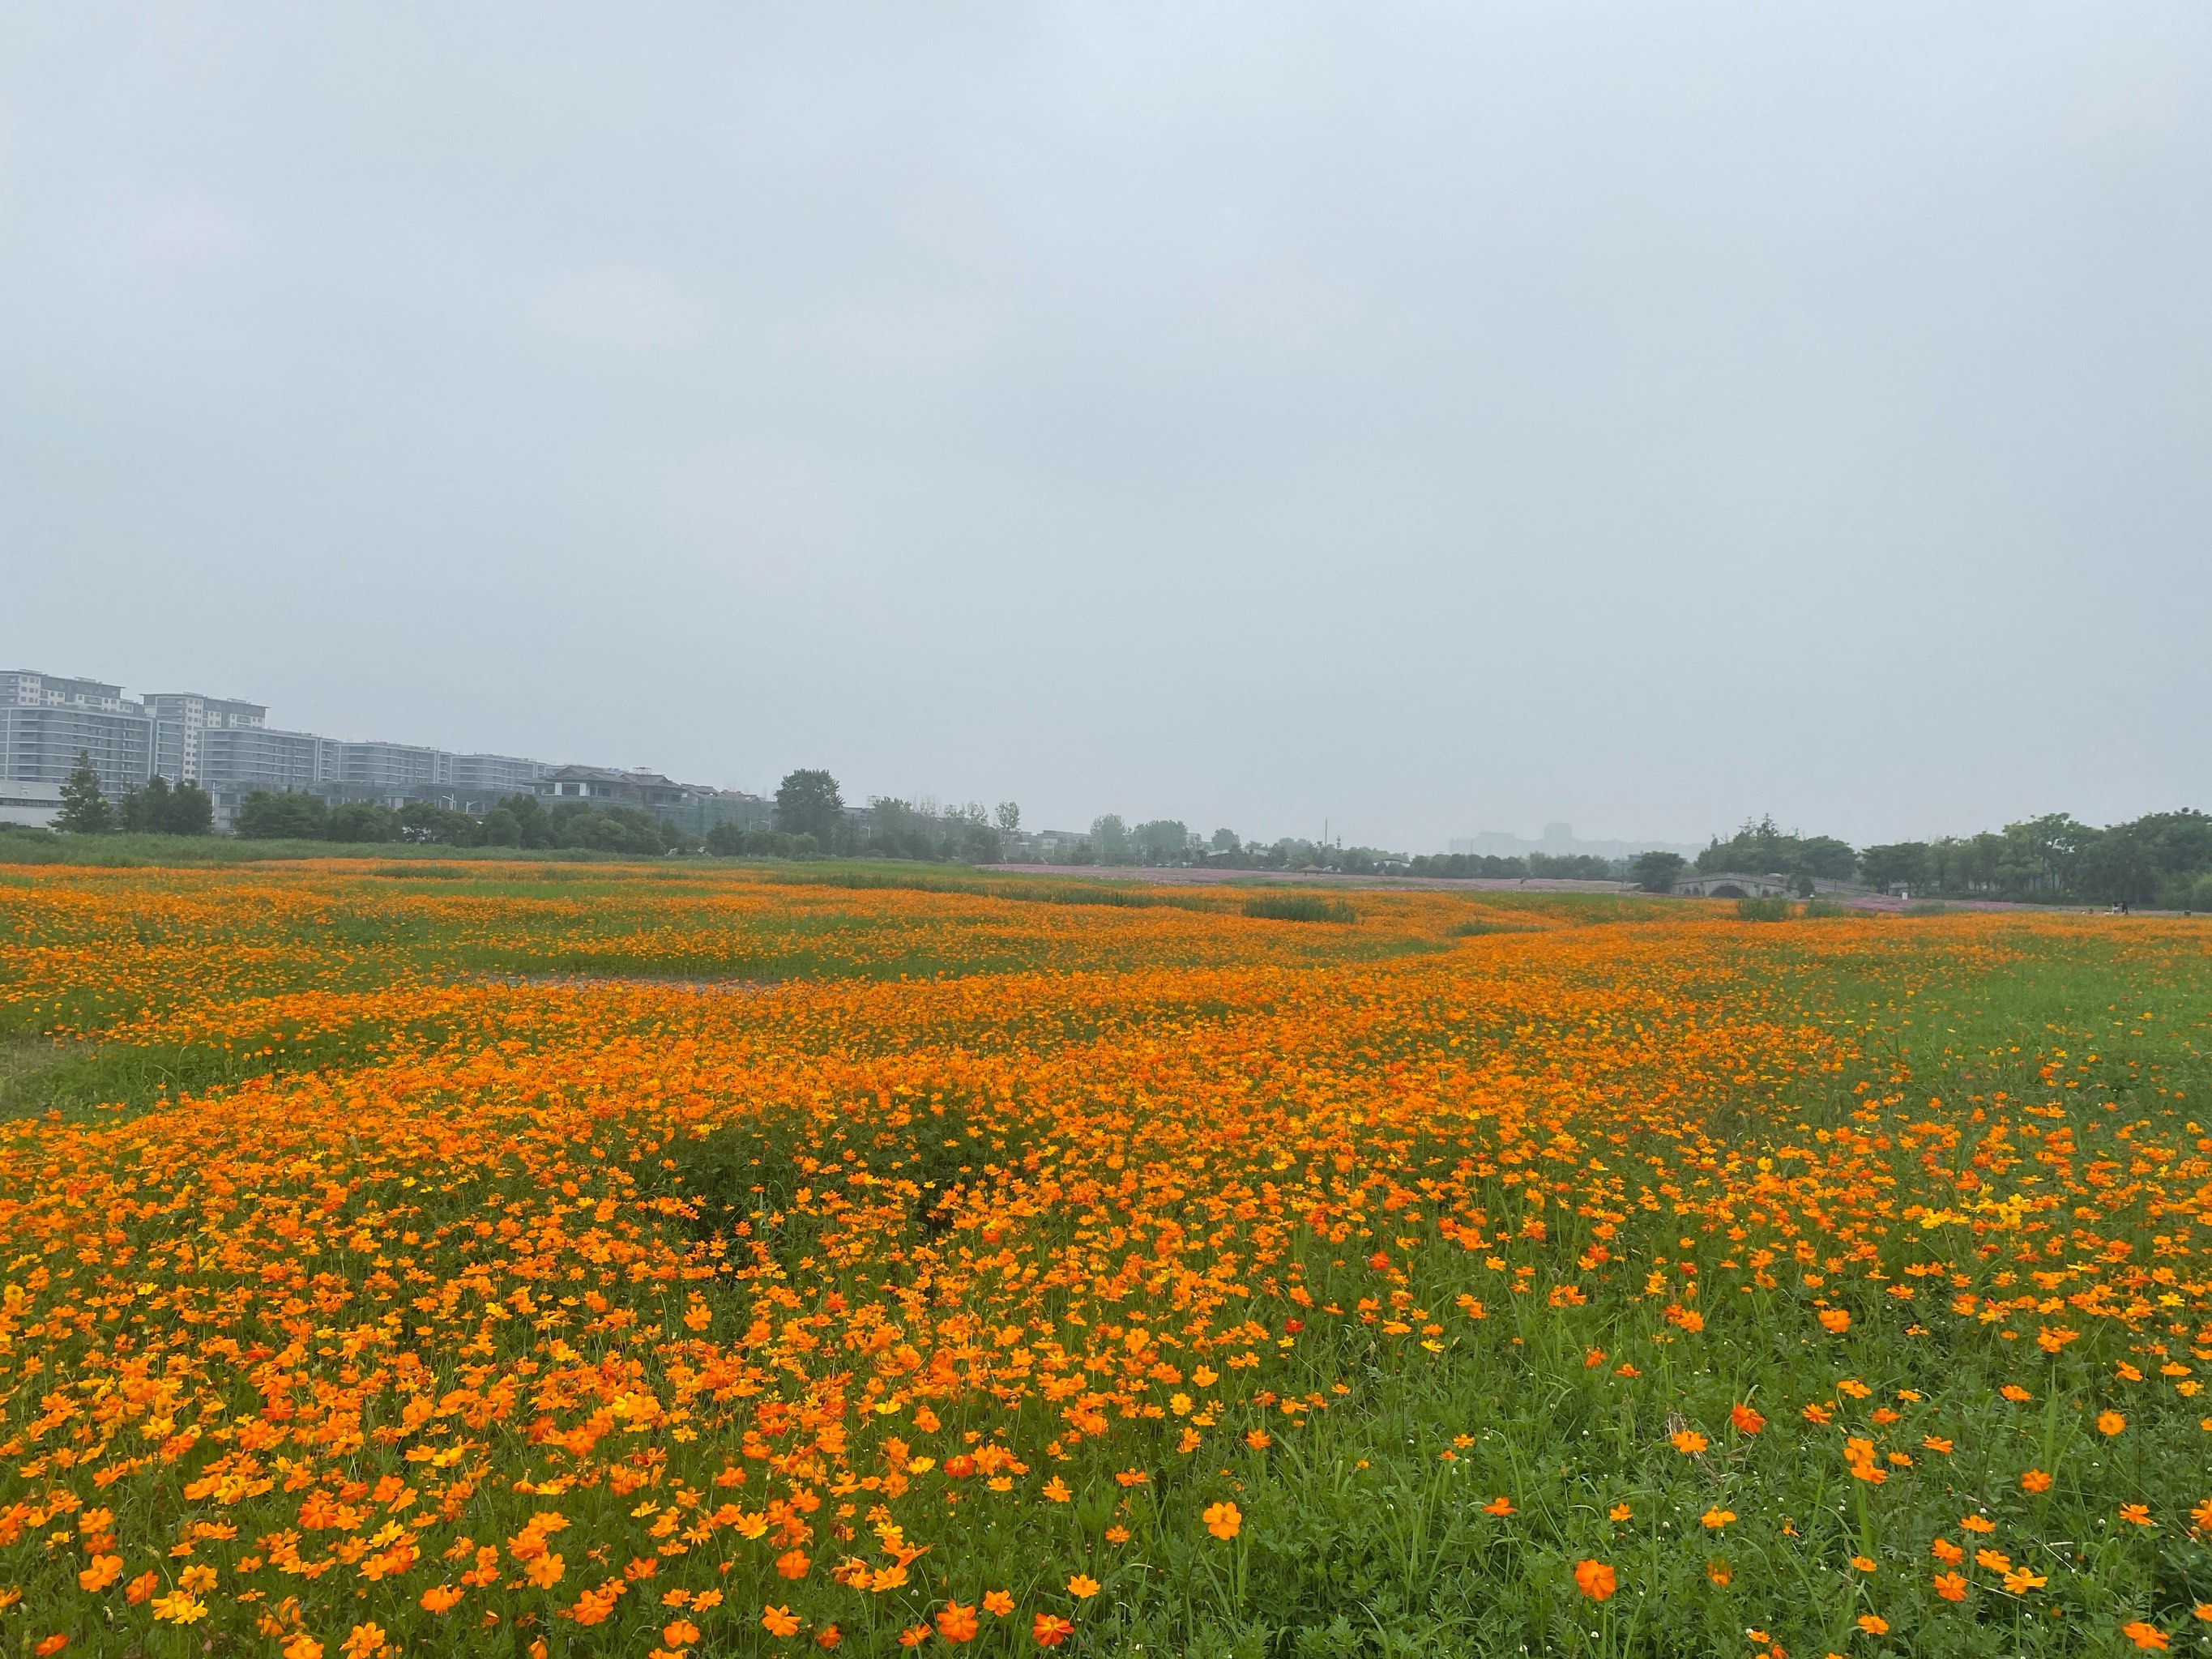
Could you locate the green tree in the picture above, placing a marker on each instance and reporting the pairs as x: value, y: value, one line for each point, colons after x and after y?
x: 1897, y: 863
x: 1163, y: 840
x: 531, y: 821
x: 364, y: 821
x: 265, y: 815
x: 1656, y: 872
x: 421, y: 821
x: 1764, y: 848
x: 85, y: 810
x: 807, y: 802
x: 159, y: 810
x: 141, y: 811
x: 630, y: 830
x: 1111, y: 836
x: 1009, y: 819
x: 191, y: 810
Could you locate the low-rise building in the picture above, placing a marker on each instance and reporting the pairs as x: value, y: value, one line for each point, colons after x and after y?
x: 34, y: 804
x: 695, y: 808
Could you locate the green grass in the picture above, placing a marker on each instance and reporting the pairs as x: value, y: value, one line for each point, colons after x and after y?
x: 1298, y: 907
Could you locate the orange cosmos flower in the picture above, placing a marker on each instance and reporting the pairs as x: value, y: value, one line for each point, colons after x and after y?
x: 957, y: 1623
x: 1873, y: 1623
x: 1747, y: 1420
x: 1835, y: 1320
x: 1688, y: 1442
x: 1222, y: 1520
x: 1950, y: 1586
x: 2110, y: 1423
x: 1595, y: 1579
x: 104, y: 1570
x: 1049, y: 1630
x: 998, y: 1602
x: 1082, y: 1587
x: 779, y: 1621
x: 441, y: 1598
x: 2035, y: 1480
x: 2148, y: 1636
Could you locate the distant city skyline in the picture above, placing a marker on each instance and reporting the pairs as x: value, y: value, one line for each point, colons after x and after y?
x: 226, y: 744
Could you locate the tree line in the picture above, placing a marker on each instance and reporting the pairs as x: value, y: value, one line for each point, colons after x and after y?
x: 2162, y: 859
x: 155, y: 808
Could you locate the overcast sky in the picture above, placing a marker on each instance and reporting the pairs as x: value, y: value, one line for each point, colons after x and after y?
x: 1433, y: 419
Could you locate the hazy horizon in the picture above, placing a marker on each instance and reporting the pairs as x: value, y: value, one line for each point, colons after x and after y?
x: 1432, y: 420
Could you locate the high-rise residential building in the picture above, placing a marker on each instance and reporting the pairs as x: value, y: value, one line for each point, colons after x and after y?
x: 228, y: 747
x: 493, y: 777
x: 236, y: 760
x: 179, y: 719
x: 47, y: 721
x: 379, y: 771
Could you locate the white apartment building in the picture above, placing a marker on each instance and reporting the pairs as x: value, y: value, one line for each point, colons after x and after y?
x: 180, y: 717
x: 224, y: 745
x: 47, y: 720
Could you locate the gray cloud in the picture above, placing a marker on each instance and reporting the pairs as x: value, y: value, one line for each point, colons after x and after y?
x: 1430, y: 418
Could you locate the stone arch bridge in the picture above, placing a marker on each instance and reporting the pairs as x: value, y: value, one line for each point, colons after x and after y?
x: 1732, y: 884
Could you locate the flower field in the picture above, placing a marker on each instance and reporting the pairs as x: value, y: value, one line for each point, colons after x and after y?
x: 543, y: 1259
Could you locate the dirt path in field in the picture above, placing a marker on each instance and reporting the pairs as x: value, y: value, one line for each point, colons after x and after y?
x: 1181, y: 877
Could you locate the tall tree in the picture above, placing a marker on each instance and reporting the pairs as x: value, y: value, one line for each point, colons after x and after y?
x: 85, y: 810
x: 145, y: 811
x: 191, y: 811
x: 807, y: 802
x: 1656, y: 872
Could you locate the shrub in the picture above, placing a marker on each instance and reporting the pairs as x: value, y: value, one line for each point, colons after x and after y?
x: 726, y: 841
x: 1298, y: 907
x: 1763, y: 910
